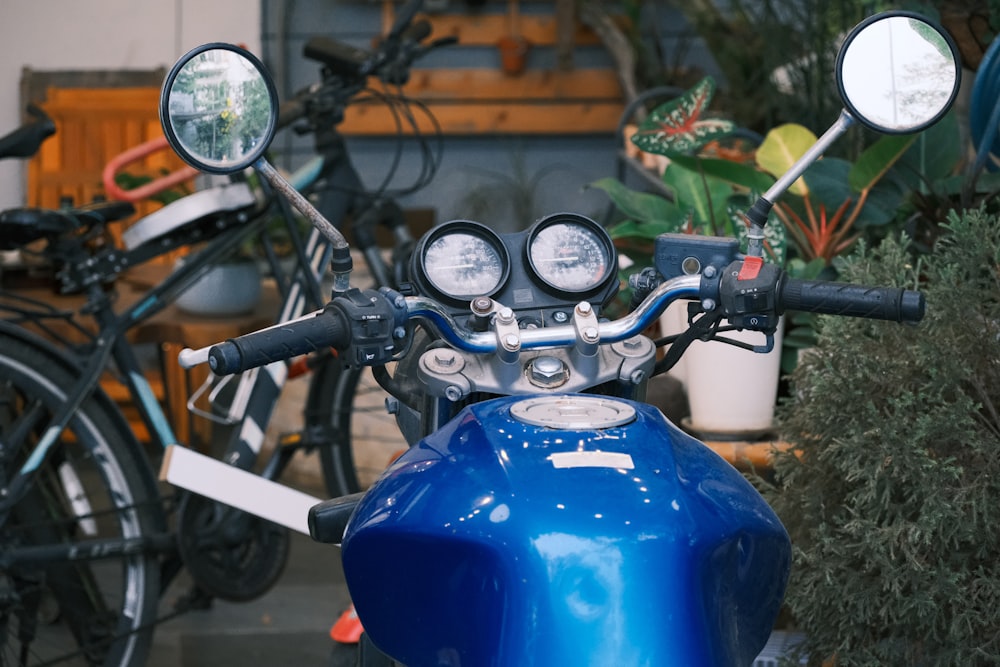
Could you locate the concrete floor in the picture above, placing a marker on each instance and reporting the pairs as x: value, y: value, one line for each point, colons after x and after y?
x: 289, y: 625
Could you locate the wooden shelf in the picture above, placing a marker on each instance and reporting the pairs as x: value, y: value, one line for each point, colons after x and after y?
x: 470, y: 101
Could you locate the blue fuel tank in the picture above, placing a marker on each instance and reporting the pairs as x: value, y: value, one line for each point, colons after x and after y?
x: 565, y: 530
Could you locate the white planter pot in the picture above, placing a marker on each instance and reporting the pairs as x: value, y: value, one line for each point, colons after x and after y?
x: 226, y: 290
x: 731, y: 392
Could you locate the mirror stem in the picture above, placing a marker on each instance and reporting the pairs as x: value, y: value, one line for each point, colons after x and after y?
x: 757, y: 215
x: 341, y: 262
x: 816, y: 151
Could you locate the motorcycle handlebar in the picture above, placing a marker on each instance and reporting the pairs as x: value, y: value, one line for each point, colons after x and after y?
x: 831, y: 298
x: 339, y: 325
x: 323, y: 329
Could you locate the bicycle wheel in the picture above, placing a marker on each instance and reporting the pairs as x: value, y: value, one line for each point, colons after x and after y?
x: 62, y: 599
x: 359, y: 437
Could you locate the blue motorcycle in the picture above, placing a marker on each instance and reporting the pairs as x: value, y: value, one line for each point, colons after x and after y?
x: 544, y: 514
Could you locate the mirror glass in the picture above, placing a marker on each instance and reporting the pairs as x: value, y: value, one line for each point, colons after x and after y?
x: 898, y: 73
x: 219, y: 108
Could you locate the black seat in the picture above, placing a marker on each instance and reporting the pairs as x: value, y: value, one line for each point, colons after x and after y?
x: 25, y: 140
x: 21, y: 226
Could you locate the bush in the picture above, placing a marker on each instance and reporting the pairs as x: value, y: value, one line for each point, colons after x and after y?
x: 891, y: 493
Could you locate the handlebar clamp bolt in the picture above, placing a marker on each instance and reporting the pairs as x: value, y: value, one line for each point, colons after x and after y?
x: 590, y: 334
x: 444, y: 361
x: 708, y: 305
x: 511, y: 342
x: 482, y: 305
x: 710, y: 271
x: 505, y: 315
x: 584, y: 308
x: 632, y: 344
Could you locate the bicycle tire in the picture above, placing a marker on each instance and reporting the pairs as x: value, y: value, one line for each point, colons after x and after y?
x: 94, y: 483
x: 359, y: 436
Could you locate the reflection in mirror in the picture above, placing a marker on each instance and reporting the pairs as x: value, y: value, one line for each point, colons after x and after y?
x: 898, y: 74
x: 220, y: 110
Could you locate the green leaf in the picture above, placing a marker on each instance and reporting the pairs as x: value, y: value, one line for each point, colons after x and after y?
x: 934, y: 155
x: 827, y: 182
x: 782, y: 147
x: 741, y: 175
x: 632, y: 230
x: 640, y: 206
x: 883, y: 202
x: 677, y: 127
x: 877, y: 159
x: 704, y: 196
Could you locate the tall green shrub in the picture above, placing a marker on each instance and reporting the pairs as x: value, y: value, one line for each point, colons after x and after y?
x: 891, y: 493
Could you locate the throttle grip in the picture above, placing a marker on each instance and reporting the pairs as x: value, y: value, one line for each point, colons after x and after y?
x: 278, y: 343
x: 832, y: 298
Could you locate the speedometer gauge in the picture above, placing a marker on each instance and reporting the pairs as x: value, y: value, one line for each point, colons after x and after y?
x: 463, y: 260
x: 570, y: 252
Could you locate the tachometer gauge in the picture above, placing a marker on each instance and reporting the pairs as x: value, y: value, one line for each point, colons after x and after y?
x: 463, y: 260
x: 570, y: 252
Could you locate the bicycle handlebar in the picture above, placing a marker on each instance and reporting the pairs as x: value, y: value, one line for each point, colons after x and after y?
x: 346, y: 67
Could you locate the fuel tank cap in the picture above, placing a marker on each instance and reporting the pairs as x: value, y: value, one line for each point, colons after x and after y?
x: 573, y: 413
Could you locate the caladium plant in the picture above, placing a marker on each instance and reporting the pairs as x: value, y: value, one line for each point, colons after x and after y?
x: 678, y: 126
x: 705, y: 195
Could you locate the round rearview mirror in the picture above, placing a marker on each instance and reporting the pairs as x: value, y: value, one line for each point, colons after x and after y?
x: 898, y: 73
x: 219, y: 108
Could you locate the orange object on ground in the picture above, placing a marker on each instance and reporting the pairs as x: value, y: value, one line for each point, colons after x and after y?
x: 347, y: 629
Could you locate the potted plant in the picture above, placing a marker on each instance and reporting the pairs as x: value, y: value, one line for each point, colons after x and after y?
x: 890, y: 492
x: 709, y: 188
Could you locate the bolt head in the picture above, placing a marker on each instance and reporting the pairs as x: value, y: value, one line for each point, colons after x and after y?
x: 547, y: 372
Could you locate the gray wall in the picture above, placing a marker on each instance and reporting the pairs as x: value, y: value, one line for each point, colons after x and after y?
x: 55, y: 35
x: 568, y: 162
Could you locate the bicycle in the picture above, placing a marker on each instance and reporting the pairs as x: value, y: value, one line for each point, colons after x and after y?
x: 88, y: 547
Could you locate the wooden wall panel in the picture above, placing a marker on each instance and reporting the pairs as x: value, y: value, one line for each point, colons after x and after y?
x: 470, y: 101
x: 94, y: 125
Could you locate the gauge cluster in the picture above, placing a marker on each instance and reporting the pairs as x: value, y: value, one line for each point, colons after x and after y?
x: 542, y: 273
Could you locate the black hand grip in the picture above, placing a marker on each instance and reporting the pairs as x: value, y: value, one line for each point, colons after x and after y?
x: 290, y: 111
x: 280, y: 342
x: 417, y: 32
x: 341, y: 58
x: 831, y: 298
x: 403, y: 18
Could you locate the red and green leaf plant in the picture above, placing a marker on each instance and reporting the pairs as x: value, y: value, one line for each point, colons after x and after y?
x: 678, y: 126
x: 835, y: 200
x: 703, y: 192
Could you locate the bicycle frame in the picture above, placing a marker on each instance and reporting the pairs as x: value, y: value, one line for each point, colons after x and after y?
x: 262, y: 389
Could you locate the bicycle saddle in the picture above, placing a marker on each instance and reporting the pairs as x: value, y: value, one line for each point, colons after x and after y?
x: 21, y: 226
x: 25, y: 140
x: 199, y: 210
